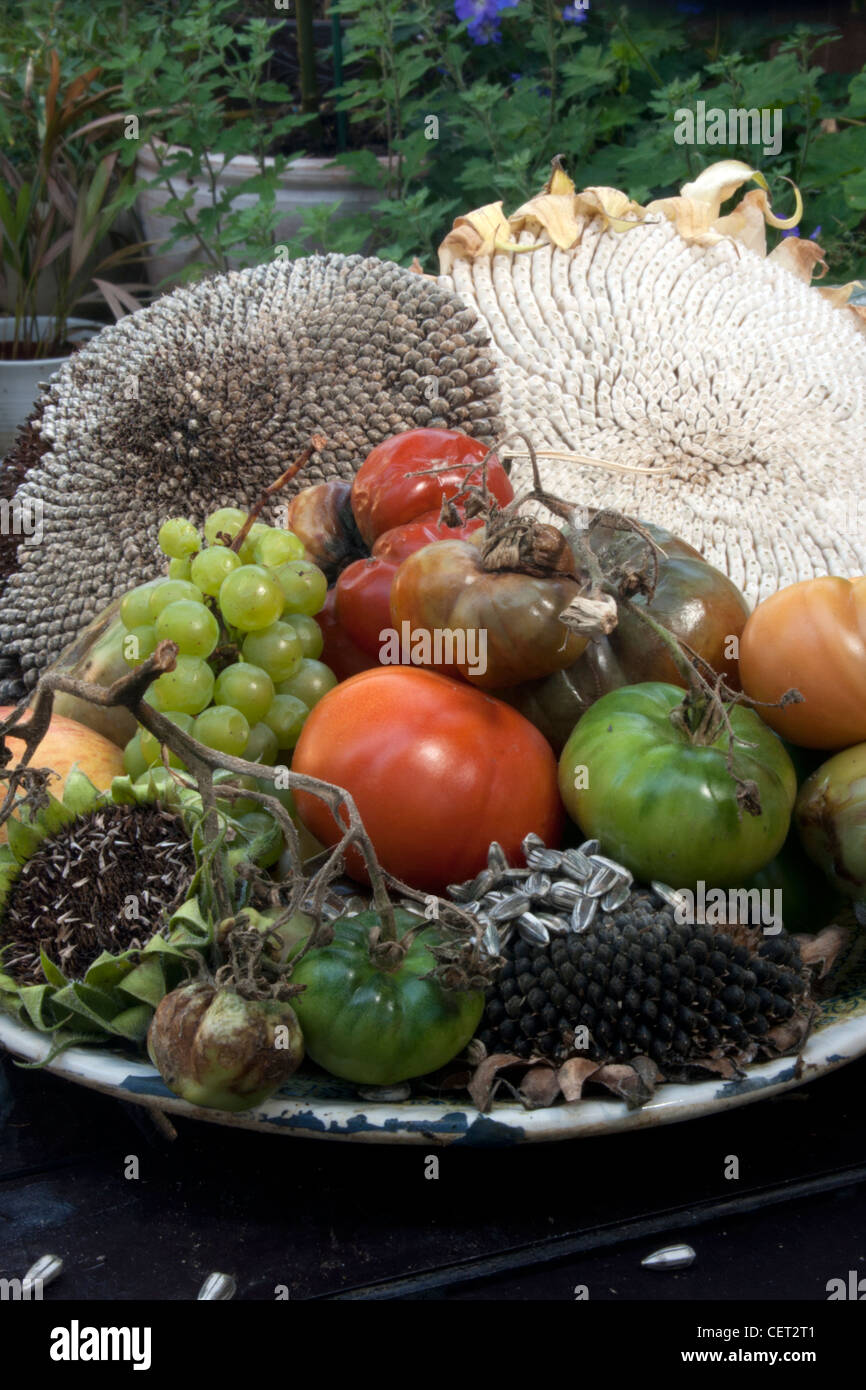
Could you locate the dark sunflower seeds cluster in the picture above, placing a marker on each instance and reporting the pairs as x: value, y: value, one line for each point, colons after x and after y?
x: 641, y: 984
x: 72, y: 898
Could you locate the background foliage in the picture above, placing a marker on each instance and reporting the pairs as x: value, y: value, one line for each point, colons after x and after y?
x: 510, y: 83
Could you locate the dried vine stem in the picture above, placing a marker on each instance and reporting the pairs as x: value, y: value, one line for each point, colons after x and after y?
x: 317, y: 441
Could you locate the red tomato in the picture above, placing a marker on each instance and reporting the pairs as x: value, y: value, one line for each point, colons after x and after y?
x: 436, y: 769
x: 395, y: 545
x: 385, y: 496
x: 363, y: 607
x: 343, y: 656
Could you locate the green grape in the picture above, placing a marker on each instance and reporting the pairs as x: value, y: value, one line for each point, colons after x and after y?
x: 138, y: 644
x: 150, y: 745
x: 286, y: 717
x: 245, y: 687
x: 187, y: 689
x: 262, y: 746
x: 276, y: 547
x: 310, y: 683
x: 170, y: 591
x: 178, y: 538
x: 250, y: 599
x: 133, y: 758
x: 226, y: 519
x: 250, y: 541
x: 304, y: 586
x: 179, y: 569
x: 210, y: 567
x: 311, y: 635
x: 222, y: 728
x: 192, y: 626
x: 277, y: 649
x: 135, y: 606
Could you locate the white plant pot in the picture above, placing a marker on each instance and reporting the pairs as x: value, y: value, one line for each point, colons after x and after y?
x: 20, y: 381
x: 304, y: 184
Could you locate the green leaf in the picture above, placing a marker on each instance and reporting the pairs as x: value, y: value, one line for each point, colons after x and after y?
x: 79, y: 794
x: 108, y: 972
x: 53, y: 975
x: 147, y: 981
x: 133, y: 1023
x: 24, y: 841
x: 92, y: 1005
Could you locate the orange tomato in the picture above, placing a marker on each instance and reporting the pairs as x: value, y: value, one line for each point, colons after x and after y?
x: 810, y: 636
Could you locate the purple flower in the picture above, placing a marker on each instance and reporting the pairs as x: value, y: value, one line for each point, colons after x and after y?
x: 482, y: 17
x: 792, y: 231
x: 813, y: 236
x: 576, y: 14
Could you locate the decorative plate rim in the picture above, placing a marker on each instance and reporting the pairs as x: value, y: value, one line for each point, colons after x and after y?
x: 446, y: 1121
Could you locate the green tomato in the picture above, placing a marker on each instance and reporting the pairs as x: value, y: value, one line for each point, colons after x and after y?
x: 378, y: 1026
x: 664, y: 805
x: 807, y: 901
x: 831, y: 820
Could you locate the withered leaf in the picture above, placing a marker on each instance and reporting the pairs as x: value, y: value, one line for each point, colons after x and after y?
x: 626, y: 1082
x: 484, y: 1078
x: 573, y: 1076
x: 539, y: 1087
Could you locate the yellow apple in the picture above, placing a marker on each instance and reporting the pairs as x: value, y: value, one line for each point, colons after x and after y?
x: 65, y: 743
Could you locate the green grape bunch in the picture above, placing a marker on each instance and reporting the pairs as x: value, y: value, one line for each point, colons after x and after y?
x: 243, y: 619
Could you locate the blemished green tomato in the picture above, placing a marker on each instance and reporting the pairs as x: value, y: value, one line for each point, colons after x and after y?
x: 172, y: 591
x: 210, y: 567
x: 179, y: 569
x: 227, y: 520
x: 246, y: 687
x: 304, y: 586
x: 665, y: 806
x: 223, y: 728
x: 276, y: 649
x: 250, y: 598
x: 150, y: 745
x: 187, y: 689
x: 286, y: 717
x: 247, y: 551
x: 311, y: 635
x: 178, y: 538
x: 376, y: 1026
x: 138, y: 643
x: 275, y: 547
x: 262, y: 746
x: 313, y: 681
x: 190, y: 625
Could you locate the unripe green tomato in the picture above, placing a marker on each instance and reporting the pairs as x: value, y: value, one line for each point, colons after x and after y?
x: 665, y: 806
x: 375, y: 1025
x: 831, y: 820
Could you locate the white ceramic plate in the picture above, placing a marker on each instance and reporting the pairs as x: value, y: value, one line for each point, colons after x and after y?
x: 321, y: 1107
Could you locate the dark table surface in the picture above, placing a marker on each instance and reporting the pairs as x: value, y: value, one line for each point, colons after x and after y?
x: 326, y: 1220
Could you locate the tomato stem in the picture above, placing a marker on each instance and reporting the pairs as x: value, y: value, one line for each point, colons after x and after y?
x: 317, y: 441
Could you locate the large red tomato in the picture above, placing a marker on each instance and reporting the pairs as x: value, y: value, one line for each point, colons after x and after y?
x: 384, y: 494
x: 437, y: 771
x: 340, y: 652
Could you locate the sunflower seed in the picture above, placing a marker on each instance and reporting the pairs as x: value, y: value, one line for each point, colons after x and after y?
x: 582, y: 913
x: 482, y: 883
x: 511, y: 906
x: 533, y: 930
x: 46, y: 1268
x: 531, y: 842
x: 615, y: 896
x: 670, y: 1257
x: 537, y: 885
x: 668, y: 895
x: 491, y: 941
x: 496, y: 860
x: 577, y: 865
x: 548, y: 859
x: 459, y: 892
x: 564, y: 893
x: 605, y: 874
x: 589, y: 847
x: 217, y: 1286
